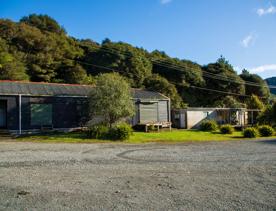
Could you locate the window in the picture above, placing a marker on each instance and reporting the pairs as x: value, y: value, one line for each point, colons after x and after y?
x: 41, y: 114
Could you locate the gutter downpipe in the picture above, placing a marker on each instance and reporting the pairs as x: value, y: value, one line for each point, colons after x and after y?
x: 19, y: 101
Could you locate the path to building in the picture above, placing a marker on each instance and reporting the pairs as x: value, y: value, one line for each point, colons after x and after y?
x: 215, y: 176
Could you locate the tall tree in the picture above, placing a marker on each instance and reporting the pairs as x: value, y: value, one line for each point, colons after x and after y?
x: 222, y: 77
x: 43, y: 22
x: 10, y: 67
x: 120, y: 57
x: 255, y: 85
x: 111, y: 98
x: 162, y: 85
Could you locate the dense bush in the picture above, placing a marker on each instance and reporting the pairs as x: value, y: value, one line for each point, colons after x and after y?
x: 208, y: 125
x: 226, y: 129
x: 266, y: 130
x: 121, y: 131
x: 98, y: 131
x: 250, y: 132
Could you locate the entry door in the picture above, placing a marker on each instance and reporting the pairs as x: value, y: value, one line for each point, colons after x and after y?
x: 3, y: 114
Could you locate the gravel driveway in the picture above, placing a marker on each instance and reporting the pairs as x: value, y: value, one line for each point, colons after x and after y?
x: 200, y: 176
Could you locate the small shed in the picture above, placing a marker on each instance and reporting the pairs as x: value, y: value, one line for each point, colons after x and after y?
x: 191, y: 118
x: 28, y: 106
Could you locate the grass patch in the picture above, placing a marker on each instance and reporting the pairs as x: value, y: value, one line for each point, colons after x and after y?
x: 175, y: 136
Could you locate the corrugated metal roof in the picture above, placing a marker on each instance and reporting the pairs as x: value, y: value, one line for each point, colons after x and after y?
x: 54, y: 89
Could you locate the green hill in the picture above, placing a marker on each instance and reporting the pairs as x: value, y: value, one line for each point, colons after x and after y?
x: 37, y: 48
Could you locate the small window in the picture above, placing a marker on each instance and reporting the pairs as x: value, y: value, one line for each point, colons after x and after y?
x: 41, y: 114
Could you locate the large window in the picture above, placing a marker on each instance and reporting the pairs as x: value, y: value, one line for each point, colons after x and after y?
x: 41, y: 114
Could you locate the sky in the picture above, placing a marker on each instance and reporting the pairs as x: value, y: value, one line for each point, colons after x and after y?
x: 243, y: 31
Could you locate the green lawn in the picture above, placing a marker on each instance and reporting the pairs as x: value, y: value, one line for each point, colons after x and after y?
x: 174, y: 136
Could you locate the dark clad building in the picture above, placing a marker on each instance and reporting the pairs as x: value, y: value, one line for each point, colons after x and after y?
x: 26, y: 106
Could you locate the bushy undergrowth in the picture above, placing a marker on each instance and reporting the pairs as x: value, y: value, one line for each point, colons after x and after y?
x: 266, y: 130
x: 226, y: 129
x: 250, y: 132
x: 120, y: 131
x: 208, y: 125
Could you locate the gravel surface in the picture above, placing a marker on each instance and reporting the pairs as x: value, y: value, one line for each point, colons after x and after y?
x: 200, y: 176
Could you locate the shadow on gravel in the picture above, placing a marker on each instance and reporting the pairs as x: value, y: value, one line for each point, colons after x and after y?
x: 268, y: 141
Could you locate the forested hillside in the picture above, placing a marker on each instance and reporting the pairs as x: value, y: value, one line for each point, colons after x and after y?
x: 37, y: 48
x: 272, y: 82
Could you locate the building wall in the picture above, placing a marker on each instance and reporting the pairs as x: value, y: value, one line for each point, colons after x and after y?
x: 12, y: 111
x: 195, y: 118
x: 152, y: 112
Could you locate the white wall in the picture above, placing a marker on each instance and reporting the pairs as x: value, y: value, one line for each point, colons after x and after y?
x: 194, y: 118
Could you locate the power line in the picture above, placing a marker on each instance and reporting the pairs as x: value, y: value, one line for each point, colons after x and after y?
x: 179, y: 67
x: 195, y: 87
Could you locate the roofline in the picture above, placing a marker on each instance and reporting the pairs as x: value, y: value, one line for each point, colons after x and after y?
x: 77, y: 96
x: 63, y: 84
x: 50, y: 83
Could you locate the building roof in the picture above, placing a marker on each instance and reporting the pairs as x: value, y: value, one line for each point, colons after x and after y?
x: 55, y: 89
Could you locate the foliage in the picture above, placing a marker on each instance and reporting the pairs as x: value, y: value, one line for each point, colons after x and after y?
x: 120, y: 57
x: 37, y: 48
x: 266, y: 130
x: 222, y: 69
x: 43, y: 22
x: 98, y: 131
x: 111, y: 99
x: 255, y: 103
x: 157, y: 83
x: 268, y: 115
x: 226, y: 129
x: 229, y: 102
x: 10, y: 67
x: 208, y: 125
x: 261, y: 90
x: 121, y: 131
x: 77, y: 75
x: 250, y: 132
x: 181, y: 73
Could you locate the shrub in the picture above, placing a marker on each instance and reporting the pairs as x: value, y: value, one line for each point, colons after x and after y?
x: 121, y: 131
x: 98, y: 131
x: 208, y: 125
x: 250, y: 132
x: 226, y: 129
x: 266, y: 130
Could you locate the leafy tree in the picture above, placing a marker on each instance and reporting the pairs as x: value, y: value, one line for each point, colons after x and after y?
x: 10, y: 67
x: 268, y: 115
x: 181, y: 73
x: 111, y: 99
x: 122, y: 58
x: 229, y: 102
x: 76, y: 75
x: 259, y: 86
x: 45, y: 54
x: 157, y: 83
x: 43, y: 22
x: 221, y: 76
x: 255, y: 103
